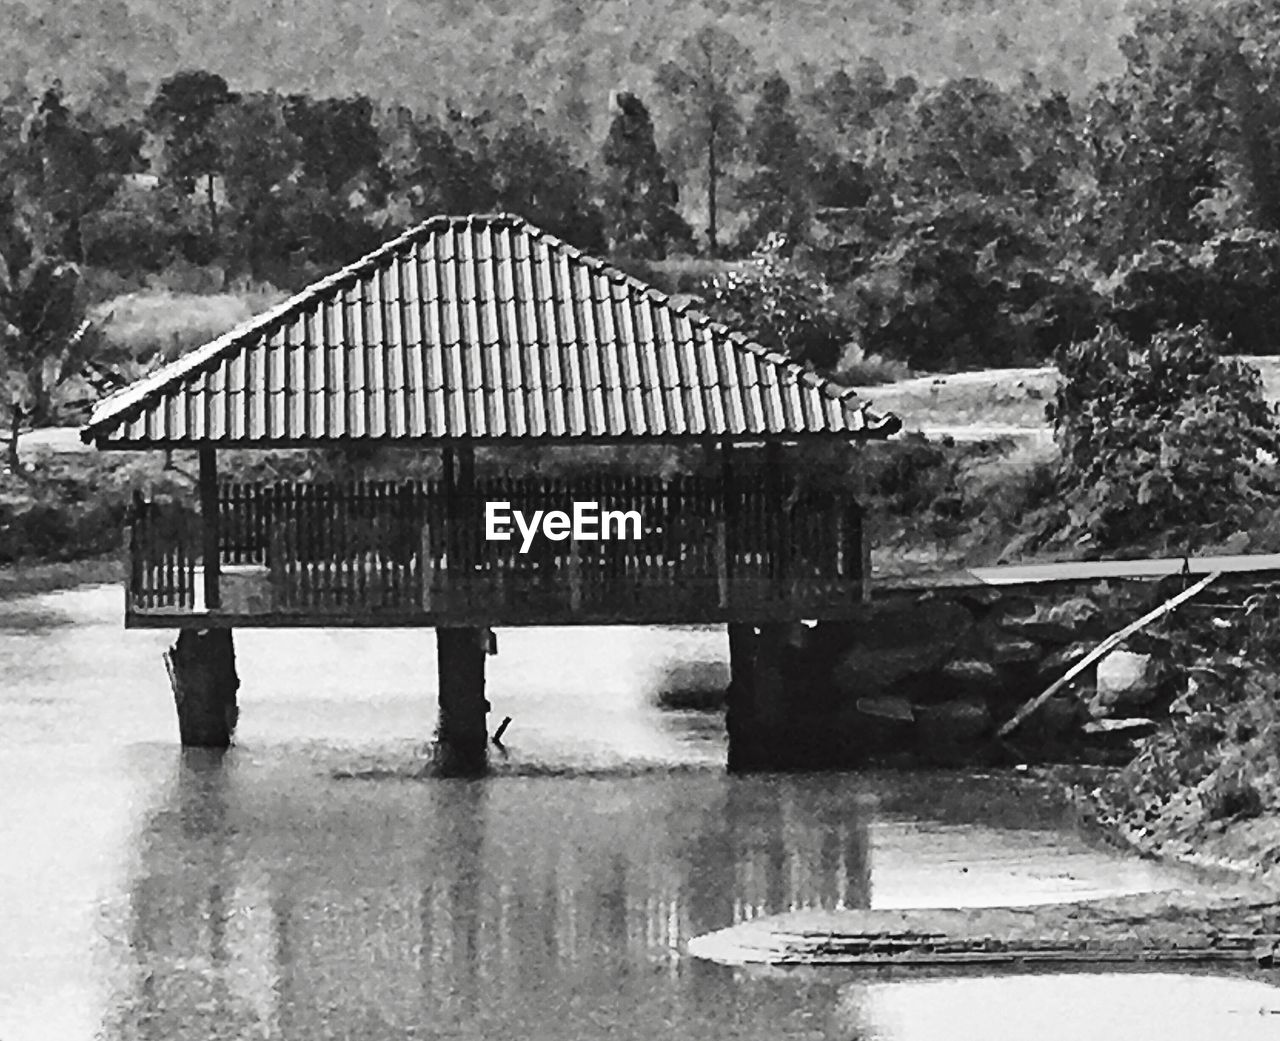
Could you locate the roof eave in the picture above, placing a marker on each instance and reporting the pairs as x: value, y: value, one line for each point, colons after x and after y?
x: 877, y: 428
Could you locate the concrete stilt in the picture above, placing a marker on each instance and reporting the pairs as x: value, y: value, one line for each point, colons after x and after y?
x: 462, y: 737
x: 202, y: 672
x: 755, y: 699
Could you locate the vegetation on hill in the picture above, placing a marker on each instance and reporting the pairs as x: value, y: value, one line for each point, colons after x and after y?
x: 889, y: 203
x: 564, y: 56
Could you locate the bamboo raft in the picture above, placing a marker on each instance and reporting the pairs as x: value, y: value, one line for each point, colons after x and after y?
x: 1151, y: 927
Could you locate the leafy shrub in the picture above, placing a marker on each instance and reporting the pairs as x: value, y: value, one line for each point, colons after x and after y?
x: 780, y: 304
x: 1244, y: 305
x: 966, y: 283
x: 1162, y: 287
x: 1160, y: 438
x: 1230, y: 283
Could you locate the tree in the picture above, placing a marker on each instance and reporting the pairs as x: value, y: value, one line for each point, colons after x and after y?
x: 337, y: 137
x: 711, y: 71
x: 535, y: 175
x: 639, y: 198
x: 777, y: 191
x: 963, y: 136
x: 969, y: 280
x: 260, y: 158
x: 339, y: 174
x: 73, y: 164
x: 845, y: 107
x: 434, y: 165
x: 46, y: 339
x: 184, y: 116
x: 1190, y: 133
x: 1163, y: 438
x: 780, y: 304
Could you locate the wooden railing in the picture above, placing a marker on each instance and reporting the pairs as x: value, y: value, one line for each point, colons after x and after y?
x: 415, y: 547
x: 164, y: 540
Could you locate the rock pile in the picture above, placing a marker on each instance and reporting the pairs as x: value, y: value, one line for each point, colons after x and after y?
x: 938, y: 675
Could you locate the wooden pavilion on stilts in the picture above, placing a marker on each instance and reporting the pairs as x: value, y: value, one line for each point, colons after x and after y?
x: 483, y: 334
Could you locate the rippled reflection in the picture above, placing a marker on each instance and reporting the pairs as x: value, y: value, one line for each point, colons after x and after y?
x: 461, y: 909
x: 149, y: 895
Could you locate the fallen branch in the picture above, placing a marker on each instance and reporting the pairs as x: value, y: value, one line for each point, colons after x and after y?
x: 1109, y: 644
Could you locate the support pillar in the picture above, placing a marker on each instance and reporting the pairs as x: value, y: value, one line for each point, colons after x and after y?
x: 462, y: 736
x: 756, y: 713
x: 211, y: 564
x: 202, y: 672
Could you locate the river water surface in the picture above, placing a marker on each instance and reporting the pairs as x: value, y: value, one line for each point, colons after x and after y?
x: 309, y: 885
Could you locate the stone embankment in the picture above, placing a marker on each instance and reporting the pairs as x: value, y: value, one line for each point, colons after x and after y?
x: 932, y: 679
x: 1150, y: 927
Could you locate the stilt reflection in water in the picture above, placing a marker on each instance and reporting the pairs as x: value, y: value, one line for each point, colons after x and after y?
x: 466, y: 908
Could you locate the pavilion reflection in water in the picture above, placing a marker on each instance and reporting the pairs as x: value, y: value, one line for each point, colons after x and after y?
x: 368, y: 909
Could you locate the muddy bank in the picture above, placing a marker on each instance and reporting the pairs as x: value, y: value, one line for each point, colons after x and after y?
x: 1204, y: 789
x: 1153, y: 927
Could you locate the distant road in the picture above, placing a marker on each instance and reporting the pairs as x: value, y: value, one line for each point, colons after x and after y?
x: 987, y: 432
x: 53, y: 439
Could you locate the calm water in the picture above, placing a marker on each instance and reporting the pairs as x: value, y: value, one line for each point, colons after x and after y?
x: 307, y: 886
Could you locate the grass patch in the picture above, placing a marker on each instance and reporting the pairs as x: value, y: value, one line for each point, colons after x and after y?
x: 33, y: 579
x: 160, y: 321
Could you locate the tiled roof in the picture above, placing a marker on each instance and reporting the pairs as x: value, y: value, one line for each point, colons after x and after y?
x: 481, y: 327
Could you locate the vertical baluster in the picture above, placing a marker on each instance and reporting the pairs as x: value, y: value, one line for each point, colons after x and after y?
x: 190, y: 541
x: 291, y: 541
x: 320, y: 499
x: 348, y: 543
x: 388, y: 548
x: 302, y: 527
x: 167, y: 583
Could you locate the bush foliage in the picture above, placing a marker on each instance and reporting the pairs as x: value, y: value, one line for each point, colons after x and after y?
x: 1163, y: 437
x: 780, y: 304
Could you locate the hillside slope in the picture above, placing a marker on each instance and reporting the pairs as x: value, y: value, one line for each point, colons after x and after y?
x: 563, y: 55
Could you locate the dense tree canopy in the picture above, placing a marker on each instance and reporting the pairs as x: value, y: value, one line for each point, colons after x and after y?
x: 992, y: 215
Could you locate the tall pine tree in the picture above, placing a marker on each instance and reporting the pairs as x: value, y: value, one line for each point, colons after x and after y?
x: 710, y: 72
x: 639, y: 197
x: 777, y: 192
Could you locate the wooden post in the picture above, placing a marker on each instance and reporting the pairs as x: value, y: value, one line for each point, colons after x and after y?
x: 575, y: 577
x: 202, y: 672
x: 462, y: 738
x: 469, y: 518
x: 731, y: 512
x: 209, y: 526
x: 775, y: 480
x: 857, y: 548
x: 135, y: 553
